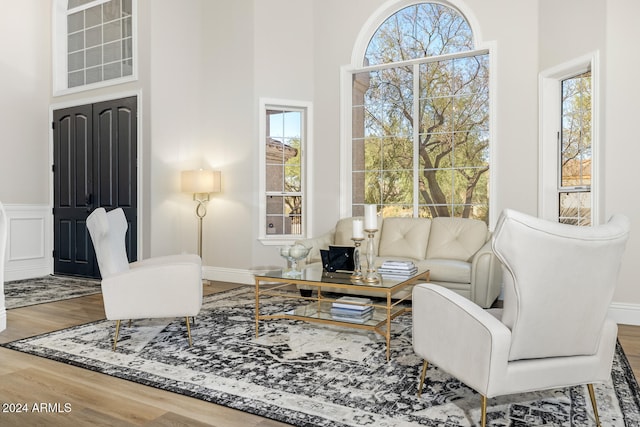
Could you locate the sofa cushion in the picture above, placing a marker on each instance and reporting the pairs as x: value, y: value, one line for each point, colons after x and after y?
x: 456, y: 238
x: 404, y: 237
x: 344, y: 233
x: 447, y: 270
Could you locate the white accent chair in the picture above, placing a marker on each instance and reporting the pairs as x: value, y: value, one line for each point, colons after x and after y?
x: 553, y: 330
x: 167, y: 286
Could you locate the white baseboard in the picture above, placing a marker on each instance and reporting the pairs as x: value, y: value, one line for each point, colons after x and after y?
x: 626, y: 314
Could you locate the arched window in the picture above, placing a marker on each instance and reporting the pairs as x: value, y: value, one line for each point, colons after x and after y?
x: 420, y: 117
x: 94, y: 43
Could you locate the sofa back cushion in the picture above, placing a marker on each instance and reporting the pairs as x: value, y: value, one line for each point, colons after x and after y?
x: 344, y: 233
x: 404, y: 237
x: 456, y: 238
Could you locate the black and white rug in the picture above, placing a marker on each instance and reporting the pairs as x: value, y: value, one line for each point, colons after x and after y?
x: 315, y: 375
x: 22, y: 293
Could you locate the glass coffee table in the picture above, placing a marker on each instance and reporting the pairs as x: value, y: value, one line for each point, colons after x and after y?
x: 318, y: 308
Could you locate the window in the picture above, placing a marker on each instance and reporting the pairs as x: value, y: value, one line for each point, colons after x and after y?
x: 95, y: 43
x: 420, y: 118
x: 569, y: 143
x: 285, y: 130
x: 574, y: 190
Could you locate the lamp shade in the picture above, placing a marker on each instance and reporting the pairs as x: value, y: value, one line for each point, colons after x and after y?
x: 201, y: 181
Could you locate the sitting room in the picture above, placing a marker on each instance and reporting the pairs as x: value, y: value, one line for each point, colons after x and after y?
x: 166, y: 257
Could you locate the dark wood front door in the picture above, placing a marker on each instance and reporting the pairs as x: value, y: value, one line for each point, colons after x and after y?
x: 95, y: 148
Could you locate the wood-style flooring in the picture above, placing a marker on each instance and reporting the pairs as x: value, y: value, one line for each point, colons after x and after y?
x: 94, y: 399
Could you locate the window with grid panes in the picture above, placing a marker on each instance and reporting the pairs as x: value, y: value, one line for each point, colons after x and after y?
x: 96, y: 43
x: 284, y: 139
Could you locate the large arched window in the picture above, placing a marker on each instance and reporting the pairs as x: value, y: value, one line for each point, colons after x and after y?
x: 420, y: 117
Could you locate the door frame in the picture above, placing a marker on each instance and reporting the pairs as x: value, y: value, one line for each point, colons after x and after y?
x: 141, y: 210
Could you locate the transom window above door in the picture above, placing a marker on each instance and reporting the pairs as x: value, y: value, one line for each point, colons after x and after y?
x: 94, y: 43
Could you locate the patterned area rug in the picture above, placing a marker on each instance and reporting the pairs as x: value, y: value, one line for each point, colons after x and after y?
x: 315, y: 375
x: 22, y: 293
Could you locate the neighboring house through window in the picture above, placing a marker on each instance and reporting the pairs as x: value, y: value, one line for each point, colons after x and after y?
x: 420, y: 143
x: 94, y: 43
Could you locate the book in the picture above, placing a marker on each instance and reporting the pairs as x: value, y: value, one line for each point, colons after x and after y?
x: 353, y: 303
x: 398, y: 265
x: 362, y: 319
x: 347, y: 312
x: 406, y: 273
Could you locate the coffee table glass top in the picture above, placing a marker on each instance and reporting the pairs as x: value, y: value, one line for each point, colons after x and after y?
x: 316, y: 273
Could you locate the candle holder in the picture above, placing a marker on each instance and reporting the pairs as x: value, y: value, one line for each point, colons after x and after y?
x: 357, y: 266
x: 371, y: 276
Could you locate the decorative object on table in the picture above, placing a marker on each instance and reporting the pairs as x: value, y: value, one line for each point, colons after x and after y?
x: 397, y: 269
x: 535, y: 342
x: 201, y: 183
x: 322, y: 376
x: 357, y: 265
x: 293, y: 254
x: 338, y: 258
x: 370, y: 227
x: 352, y: 309
x: 164, y: 286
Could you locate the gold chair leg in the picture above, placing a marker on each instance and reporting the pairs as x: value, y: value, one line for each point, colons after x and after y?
x: 592, y: 395
x: 425, y: 365
x: 188, y: 330
x: 483, y: 416
x: 115, y: 339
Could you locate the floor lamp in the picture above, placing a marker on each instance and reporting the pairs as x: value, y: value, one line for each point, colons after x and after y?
x: 201, y: 183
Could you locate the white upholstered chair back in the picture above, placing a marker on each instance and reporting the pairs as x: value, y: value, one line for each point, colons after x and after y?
x: 558, y: 282
x: 108, y: 230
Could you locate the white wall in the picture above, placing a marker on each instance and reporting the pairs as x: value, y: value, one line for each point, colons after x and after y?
x: 622, y: 149
x: 25, y: 29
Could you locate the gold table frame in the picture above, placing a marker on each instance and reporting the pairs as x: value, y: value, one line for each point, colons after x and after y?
x: 318, y: 310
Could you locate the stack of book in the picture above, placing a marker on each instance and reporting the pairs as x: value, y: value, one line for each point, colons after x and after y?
x: 351, y: 309
x: 397, y: 269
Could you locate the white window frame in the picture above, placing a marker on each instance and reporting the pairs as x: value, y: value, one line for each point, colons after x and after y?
x: 306, y: 145
x: 550, y: 95
x: 59, y: 49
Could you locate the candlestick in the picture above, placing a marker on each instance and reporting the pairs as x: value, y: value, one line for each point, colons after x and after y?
x: 357, y: 266
x: 370, y: 217
x: 358, y: 229
x: 371, y: 276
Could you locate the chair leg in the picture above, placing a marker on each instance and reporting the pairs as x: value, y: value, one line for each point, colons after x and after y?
x: 592, y: 395
x: 425, y: 365
x: 188, y: 330
x: 115, y: 339
x: 483, y: 416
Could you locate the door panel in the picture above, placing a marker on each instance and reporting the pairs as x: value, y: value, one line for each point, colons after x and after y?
x: 73, y: 168
x: 95, y: 165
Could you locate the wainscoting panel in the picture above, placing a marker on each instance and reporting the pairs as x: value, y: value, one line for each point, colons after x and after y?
x: 29, y: 243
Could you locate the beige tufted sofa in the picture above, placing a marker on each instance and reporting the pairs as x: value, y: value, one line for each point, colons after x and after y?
x: 457, y: 251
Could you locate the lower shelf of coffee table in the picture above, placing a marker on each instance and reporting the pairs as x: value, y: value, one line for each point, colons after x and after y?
x: 321, y: 312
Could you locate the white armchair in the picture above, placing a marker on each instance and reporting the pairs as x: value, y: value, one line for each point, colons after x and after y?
x: 167, y: 286
x: 553, y: 330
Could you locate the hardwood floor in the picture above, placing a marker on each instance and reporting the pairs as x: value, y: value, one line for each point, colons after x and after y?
x: 94, y: 399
